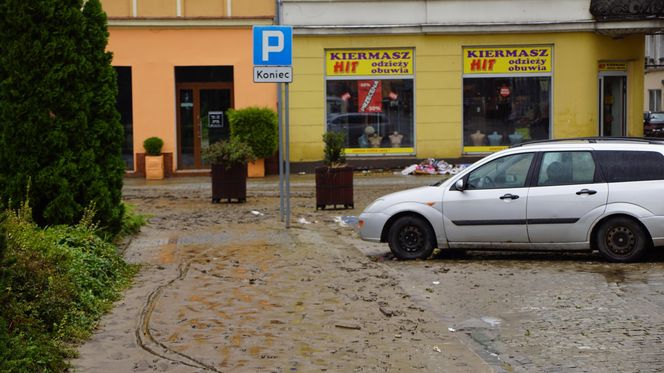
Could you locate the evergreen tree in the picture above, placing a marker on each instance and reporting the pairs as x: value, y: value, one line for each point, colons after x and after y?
x: 58, y: 137
x: 104, y: 119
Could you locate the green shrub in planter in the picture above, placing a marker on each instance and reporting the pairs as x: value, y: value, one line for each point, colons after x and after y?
x: 333, y: 153
x: 153, y: 146
x: 228, y: 153
x: 258, y: 127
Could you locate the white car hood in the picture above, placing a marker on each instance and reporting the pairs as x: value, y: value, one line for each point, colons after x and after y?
x: 421, y: 194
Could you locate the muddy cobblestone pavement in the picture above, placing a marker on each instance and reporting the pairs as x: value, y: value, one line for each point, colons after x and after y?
x: 226, y: 288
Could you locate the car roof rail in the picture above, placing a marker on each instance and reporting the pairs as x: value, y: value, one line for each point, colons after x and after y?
x: 595, y: 139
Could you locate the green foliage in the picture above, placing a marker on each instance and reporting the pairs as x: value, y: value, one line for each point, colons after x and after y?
x: 256, y: 126
x: 59, y: 129
x: 131, y: 223
x: 153, y: 145
x: 56, y: 284
x: 228, y: 152
x: 104, y: 186
x: 334, y: 149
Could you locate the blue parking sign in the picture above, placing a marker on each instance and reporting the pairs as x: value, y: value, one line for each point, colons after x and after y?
x: 273, y: 45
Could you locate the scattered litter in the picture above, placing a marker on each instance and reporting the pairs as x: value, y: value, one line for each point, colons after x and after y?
x: 386, y: 311
x: 494, y: 354
x: 432, y: 167
x: 338, y: 220
x: 397, y: 336
x: 437, y: 349
x: 409, y: 170
x: 257, y: 213
x: 303, y: 221
x: 301, y: 173
x: 491, y: 320
x: 345, y: 221
x: 451, y: 330
x: 436, y: 282
x: 348, y: 326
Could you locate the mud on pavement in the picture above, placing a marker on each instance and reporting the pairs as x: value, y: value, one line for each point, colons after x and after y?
x: 225, y: 287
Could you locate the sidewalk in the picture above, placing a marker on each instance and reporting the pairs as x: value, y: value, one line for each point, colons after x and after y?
x: 224, y: 287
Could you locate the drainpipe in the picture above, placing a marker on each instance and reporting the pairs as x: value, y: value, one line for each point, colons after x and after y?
x: 277, y: 12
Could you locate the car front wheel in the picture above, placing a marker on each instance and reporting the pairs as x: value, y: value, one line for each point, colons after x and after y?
x: 410, y: 237
x: 622, y: 240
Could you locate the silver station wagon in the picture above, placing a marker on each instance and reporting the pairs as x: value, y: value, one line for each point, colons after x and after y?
x: 586, y: 194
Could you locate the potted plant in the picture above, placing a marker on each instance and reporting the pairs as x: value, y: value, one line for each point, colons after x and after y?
x: 154, y: 160
x: 334, y: 181
x: 228, y: 160
x: 258, y: 127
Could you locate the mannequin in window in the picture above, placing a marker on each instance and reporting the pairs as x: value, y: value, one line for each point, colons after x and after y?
x: 395, y: 139
x: 375, y: 140
x: 363, y: 140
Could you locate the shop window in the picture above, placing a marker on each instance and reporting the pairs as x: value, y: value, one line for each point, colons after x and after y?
x: 124, y: 107
x: 506, y: 119
x: 655, y: 99
x: 370, y: 99
x: 506, y: 96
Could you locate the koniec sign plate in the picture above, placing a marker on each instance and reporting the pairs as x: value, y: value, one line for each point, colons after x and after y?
x: 273, y: 74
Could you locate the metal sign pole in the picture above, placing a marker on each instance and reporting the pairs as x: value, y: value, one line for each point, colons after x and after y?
x: 281, y: 152
x: 287, y: 156
x: 273, y: 63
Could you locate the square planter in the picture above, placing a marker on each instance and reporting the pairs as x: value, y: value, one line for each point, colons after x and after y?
x: 256, y: 168
x: 229, y: 183
x: 154, y: 167
x: 334, y: 186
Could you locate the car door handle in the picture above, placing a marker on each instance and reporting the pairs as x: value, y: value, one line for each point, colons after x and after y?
x: 509, y: 196
x: 586, y: 191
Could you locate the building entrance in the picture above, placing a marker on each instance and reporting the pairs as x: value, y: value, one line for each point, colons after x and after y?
x: 202, y: 119
x: 613, y: 104
x: 203, y: 96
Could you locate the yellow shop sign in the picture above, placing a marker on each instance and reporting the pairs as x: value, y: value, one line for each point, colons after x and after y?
x: 368, y: 62
x: 507, y: 60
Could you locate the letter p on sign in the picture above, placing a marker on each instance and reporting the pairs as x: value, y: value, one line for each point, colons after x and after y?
x: 273, y: 45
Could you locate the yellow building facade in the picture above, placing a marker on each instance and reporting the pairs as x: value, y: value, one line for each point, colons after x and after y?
x: 588, y: 85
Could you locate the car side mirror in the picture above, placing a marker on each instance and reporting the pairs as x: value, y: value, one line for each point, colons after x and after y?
x: 460, y: 185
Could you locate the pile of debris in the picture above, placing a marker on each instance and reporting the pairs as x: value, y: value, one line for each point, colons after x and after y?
x: 432, y: 167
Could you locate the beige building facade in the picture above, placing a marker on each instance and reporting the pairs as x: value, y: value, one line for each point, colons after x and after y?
x: 181, y: 63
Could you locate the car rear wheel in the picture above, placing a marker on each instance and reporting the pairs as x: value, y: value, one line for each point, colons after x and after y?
x: 622, y: 240
x: 410, y: 237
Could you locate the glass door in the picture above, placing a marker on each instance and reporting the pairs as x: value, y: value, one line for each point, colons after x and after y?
x: 613, y: 105
x: 202, y: 119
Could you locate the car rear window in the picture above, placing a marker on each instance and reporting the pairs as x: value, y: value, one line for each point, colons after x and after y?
x: 623, y: 166
x: 657, y: 116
